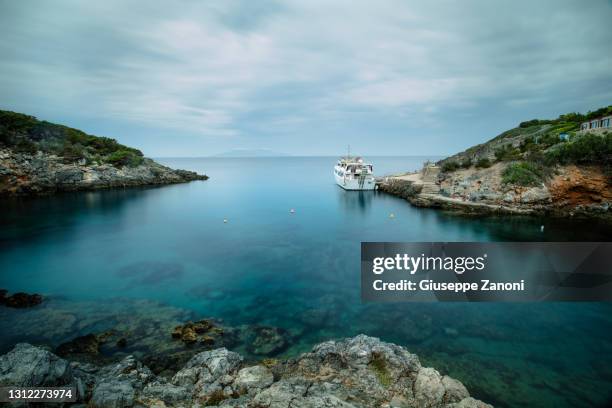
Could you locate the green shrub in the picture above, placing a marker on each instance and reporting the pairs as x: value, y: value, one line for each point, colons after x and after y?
x: 529, y: 123
x: 599, y: 112
x: 16, y: 122
x: 124, y: 158
x: 528, y: 144
x: 449, y: 166
x: 522, y: 174
x: 573, y: 117
x: 26, y: 146
x: 72, y: 153
x: 585, y: 148
x: 466, y: 164
x: 74, y: 136
x: 379, y: 366
x: 507, y: 153
x: 483, y: 163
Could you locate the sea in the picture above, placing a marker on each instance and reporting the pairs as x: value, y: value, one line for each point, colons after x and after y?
x: 232, y: 249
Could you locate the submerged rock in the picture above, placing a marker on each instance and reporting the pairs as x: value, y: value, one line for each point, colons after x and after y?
x: 190, y: 332
x: 266, y: 341
x: 88, y: 344
x: 356, y: 372
x: 19, y: 300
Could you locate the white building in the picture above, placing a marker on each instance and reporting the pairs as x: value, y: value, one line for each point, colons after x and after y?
x: 597, y: 125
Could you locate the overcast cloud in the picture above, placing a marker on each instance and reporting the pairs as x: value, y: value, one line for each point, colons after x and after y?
x: 303, y: 77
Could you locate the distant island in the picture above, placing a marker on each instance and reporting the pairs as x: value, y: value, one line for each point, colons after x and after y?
x: 38, y: 157
x: 251, y: 153
x: 560, y: 167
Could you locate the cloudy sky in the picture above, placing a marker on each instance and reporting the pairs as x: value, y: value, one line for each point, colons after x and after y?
x: 195, y: 78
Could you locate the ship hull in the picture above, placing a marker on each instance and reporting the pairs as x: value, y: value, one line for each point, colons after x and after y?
x: 353, y: 184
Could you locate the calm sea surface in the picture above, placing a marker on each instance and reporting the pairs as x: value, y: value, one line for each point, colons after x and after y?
x: 169, y: 246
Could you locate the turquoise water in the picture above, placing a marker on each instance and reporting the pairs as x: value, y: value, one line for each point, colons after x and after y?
x: 301, y: 271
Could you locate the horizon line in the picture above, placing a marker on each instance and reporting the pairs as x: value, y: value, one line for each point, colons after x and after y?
x: 292, y: 156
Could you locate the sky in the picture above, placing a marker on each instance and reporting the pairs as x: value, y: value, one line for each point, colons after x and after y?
x: 198, y: 78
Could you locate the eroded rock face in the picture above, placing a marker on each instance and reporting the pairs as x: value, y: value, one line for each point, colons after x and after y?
x: 570, y: 191
x: 118, y: 385
x: 357, y: 372
x: 582, y: 188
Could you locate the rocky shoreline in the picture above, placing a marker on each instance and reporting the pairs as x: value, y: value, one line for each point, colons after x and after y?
x: 573, y: 192
x: 24, y: 174
x: 356, y: 372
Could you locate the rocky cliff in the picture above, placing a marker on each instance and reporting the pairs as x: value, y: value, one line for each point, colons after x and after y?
x: 38, y: 157
x: 570, y: 191
x: 43, y: 173
x: 356, y: 372
x: 544, y: 167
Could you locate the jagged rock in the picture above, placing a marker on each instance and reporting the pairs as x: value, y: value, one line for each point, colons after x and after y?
x: 116, y: 385
x: 209, y: 374
x: 536, y: 195
x: 128, y: 369
x: 252, y: 379
x: 113, y: 394
x: 29, y: 366
x: 284, y: 393
x: 359, y: 372
x: 469, y: 403
x: 168, y: 393
x: 454, y: 390
x: 428, y: 388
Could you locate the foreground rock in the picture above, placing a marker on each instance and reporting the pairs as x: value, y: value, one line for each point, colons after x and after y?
x: 356, y: 372
x: 44, y: 173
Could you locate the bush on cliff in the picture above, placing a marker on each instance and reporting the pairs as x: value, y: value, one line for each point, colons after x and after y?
x: 529, y: 123
x: 483, y: 163
x: 124, y: 158
x: 72, y: 153
x: 522, y: 174
x: 16, y: 122
x: 507, y: 153
x: 466, y: 164
x: 449, y: 166
x: 572, y: 118
x: 588, y: 148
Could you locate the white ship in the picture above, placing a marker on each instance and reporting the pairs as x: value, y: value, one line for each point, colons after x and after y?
x: 352, y: 173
